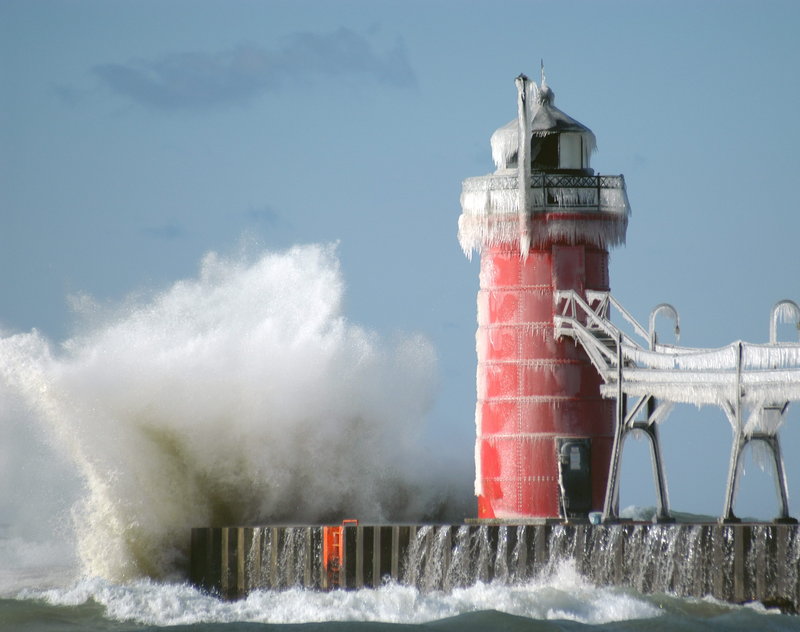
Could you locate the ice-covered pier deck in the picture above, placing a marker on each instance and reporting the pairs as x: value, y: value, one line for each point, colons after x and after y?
x: 732, y: 562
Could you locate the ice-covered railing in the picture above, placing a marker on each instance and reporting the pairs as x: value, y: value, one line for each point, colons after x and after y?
x: 497, y: 193
x: 680, y: 374
x: 752, y: 383
x: 712, y: 376
x: 587, y: 321
x: 574, y: 208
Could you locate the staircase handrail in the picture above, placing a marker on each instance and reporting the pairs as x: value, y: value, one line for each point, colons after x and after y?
x: 629, y: 318
x: 595, y: 349
x: 574, y: 299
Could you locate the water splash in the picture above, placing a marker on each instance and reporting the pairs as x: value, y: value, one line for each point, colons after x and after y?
x: 563, y: 596
x: 241, y: 396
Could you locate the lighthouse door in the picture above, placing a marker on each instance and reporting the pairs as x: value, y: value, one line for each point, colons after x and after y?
x: 575, y: 476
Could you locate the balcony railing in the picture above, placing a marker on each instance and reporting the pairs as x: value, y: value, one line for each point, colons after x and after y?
x: 498, y: 194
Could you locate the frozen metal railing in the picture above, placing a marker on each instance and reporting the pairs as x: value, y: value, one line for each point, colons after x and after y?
x: 587, y: 321
x: 548, y: 192
x: 496, y: 212
x: 753, y: 384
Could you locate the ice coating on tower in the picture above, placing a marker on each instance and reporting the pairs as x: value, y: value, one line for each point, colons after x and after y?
x: 564, y: 208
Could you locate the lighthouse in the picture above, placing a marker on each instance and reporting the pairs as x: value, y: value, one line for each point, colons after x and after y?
x: 548, y: 445
x: 543, y: 222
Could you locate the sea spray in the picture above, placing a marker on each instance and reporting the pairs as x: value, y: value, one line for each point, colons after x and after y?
x: 242, y: 396
x: 563, y: 596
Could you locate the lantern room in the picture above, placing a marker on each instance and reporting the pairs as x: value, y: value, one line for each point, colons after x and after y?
x: 559, y: 143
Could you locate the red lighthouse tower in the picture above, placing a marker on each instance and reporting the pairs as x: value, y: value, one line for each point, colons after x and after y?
x: 542, y: 222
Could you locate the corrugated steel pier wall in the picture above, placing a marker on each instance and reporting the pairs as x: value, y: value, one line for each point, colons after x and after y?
x: 733, y: 562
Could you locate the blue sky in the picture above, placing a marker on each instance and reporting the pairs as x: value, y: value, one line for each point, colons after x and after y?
x: 137, y: 136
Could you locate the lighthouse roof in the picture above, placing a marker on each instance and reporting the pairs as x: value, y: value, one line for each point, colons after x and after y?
x: 547, y: 120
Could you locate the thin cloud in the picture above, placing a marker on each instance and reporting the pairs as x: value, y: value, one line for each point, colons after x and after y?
x: 199, y: 79
x: 166, y: 232
x: 264, y: 215
x: 68, y: 94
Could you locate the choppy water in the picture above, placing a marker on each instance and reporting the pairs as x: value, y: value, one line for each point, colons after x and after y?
x: 561, y: 601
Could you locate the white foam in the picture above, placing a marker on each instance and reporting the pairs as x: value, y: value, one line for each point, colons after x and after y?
x: 564, y: 596
x: 241, y: 396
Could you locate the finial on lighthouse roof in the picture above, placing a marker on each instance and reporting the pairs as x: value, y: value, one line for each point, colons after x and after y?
x: 543, y: 93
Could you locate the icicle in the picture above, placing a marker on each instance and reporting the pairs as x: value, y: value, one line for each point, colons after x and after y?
x: 765, y: 418
x: 786, y: 312
x: 478, y: 467
x: 762, y: 454
x: 491, y: 213
x: 499, y: 194
x: 504, y: 145
x: 702, y: 389
x: 523, y: 167
x: 638, y: 434
x: 475, y: 233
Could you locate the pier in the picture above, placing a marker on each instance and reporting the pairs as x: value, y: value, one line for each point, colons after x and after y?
x: 737, y: 563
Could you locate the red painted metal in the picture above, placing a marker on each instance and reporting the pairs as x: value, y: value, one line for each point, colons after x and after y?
x: 332, y: 537
x: 531, y: 387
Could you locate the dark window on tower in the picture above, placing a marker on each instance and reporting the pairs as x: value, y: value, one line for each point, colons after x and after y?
x: 544, y: 152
